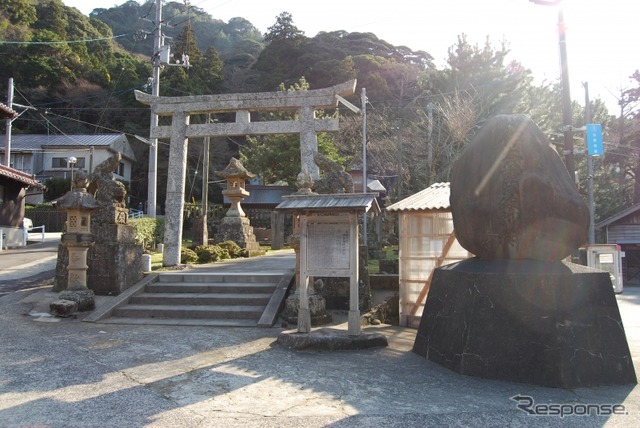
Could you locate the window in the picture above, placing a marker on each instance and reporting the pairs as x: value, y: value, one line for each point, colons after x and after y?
x: 59, y: 163
x: 63, y: 163
x: 121, y: 169
x: 1, y: 194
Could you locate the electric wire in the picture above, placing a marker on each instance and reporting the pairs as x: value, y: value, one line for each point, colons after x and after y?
x: 62, y: 42
x: 96, y: 126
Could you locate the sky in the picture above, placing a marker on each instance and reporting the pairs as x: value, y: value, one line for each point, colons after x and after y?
x: 601, y: 36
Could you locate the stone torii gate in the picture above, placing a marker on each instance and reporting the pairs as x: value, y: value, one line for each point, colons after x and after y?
x: 181, y: 108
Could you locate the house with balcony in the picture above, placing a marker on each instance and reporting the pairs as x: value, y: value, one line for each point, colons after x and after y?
x: 48, y: 156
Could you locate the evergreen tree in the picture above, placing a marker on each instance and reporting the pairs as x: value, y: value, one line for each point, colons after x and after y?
x: 185, y: 46
x: 276, y: 158
x: 283, y: 29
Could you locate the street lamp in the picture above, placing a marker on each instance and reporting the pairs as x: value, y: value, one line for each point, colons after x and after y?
x: 567, y: 127
x: 72, y: 161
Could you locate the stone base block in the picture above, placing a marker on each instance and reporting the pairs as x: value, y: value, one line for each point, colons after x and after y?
x: 85, y: 299
x: 113, y: 268
x: 547, y: 323
x: 63, y: 308
x: 317, y: 309
x: 330, y: 339
x: 239, y: 230
x: 113, y: 233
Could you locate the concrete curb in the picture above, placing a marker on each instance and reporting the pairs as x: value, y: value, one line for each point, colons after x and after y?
x: 276, y: 303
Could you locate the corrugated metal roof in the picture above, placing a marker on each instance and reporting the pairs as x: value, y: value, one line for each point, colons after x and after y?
x: 618, y: 216
x: 38, y: 141
x: 434, y: 197
x: 19, y: 176
x: 336, y: 202
x: 375, y: 186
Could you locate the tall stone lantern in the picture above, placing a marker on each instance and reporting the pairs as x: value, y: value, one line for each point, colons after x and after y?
x: 235, y: 225
x: 236, y: 175
x: 78, y: 238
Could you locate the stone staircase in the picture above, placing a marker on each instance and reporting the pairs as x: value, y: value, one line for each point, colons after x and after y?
x: 202, y: 299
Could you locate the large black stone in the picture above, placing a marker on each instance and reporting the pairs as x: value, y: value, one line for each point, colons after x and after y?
x: 546, y: 323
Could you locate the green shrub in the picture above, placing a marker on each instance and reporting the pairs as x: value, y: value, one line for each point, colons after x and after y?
x: 56, y: 187
x: 188, y: 256
x: 210, y: 253
x: 234, y: 249
x: 148, y: 231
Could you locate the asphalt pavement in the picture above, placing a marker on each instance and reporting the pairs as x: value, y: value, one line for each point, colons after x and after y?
x: 68, y: 373
x: 38, y: 256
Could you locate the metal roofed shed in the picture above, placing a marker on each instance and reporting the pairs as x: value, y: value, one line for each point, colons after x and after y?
x: 426, y: 242
x: 13, y: 191
x: 623, y: 229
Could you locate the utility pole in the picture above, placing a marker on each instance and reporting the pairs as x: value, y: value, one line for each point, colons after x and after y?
x: 152, y: 186
x: 430, y: 141
x: 363, y: 110
x: 205, y: 186
x: 7, y: 143
x: 566, y: 99
x: 567, y: 128
x: 587, y: 120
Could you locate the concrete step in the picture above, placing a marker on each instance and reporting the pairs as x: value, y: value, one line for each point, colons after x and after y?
x: 208, y: 277
x: 200, y: 299
x: 252, y: 299
x: 190, y: 311
x: 187, y: 322
x: 221, y: 288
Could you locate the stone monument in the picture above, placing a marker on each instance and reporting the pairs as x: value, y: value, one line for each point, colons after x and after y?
x: 334, y: 178
x: 115, y: 259
x: 235, y: 225
x: 517, y: 311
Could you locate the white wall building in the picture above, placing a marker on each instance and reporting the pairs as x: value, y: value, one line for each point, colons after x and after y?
x: 46, y: 156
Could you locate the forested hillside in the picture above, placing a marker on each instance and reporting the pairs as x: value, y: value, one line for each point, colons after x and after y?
x: 79, y: 73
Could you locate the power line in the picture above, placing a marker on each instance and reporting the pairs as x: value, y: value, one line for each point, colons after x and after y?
x: 84, y: 98
x: 63, y: 42
x: 96, y: 126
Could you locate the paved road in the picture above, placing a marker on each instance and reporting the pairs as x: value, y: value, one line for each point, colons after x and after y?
x: 26, y: 268
x: 69, y: 373
x: 24, y: 262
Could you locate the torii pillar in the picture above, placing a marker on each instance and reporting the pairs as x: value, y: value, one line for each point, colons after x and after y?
x: 180, y: 130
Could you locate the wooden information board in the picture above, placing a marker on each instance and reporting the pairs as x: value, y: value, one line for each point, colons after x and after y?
x: 329, y: 248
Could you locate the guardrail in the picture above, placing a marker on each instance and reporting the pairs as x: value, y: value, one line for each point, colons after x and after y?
x: 18, y: 236
x: 134, y: 213
x: 30, y: 230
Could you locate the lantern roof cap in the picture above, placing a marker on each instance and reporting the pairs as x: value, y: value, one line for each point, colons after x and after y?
x: 78, y: 198
x: 235, y: 169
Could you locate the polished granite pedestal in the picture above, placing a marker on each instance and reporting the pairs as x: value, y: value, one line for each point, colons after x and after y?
x: 546, y: 323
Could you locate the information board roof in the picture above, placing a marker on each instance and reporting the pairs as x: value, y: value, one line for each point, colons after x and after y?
x: 330, y: 203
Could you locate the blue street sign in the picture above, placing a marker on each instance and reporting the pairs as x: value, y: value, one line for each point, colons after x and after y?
x: 594, y: 139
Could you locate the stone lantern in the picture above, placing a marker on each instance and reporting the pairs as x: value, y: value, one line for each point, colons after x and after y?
x: 236, y: 175
x: 235, y: 225
x: 77, y: 239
